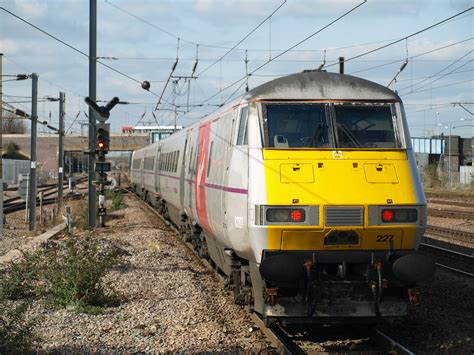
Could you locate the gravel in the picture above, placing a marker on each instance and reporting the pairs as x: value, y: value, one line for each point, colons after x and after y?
x: 443, y: 322
x: 170, y: 302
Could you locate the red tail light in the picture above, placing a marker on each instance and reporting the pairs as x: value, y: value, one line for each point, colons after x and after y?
x: 399, y: 215
x: 387, y: 215
x: 284, y: 215
x: 296, y: 215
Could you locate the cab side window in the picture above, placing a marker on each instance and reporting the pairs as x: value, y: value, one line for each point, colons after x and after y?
x: 242, y: 133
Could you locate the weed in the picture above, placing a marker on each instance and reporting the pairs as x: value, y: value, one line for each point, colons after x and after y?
x: 117, y: 202
x: 67, y: 275
x: 16, y: 331
x: 19, y: 280
x: 74, y: 276
x: 82, y: 216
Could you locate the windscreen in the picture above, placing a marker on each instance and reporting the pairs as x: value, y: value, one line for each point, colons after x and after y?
x: 365, y: 126
x: 297, y: 126
x: 329, y: 125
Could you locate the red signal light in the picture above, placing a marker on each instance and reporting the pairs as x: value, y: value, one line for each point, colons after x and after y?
x: 296, y: 215
x: 387, y: 215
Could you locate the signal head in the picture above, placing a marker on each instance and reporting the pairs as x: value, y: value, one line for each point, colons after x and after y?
x: 102, y: 138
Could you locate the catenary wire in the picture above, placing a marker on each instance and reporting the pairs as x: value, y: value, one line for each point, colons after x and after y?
x: 73, y: 48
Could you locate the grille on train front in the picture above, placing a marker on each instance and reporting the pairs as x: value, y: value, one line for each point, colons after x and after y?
x: 344, y: 216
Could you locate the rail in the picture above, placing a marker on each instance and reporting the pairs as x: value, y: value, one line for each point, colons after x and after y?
x: 451, y: 203
x: 445, y: 256
x: 455, y: 234
x: 393, y: 345
x: 15, y: 204
x: 451, y: 213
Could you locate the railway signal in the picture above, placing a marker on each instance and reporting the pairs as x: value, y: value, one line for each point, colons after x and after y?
x: 102, y: 140
x: 102, y: 146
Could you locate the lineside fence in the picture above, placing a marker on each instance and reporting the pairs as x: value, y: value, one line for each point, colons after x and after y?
x: 466, y: 174
x: 12, y: 168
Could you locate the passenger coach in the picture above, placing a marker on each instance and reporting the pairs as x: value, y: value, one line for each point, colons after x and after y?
x: 304, y: 194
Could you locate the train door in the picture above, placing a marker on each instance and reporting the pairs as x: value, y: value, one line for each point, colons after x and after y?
x: 157, y: 171
x: 190, y: 172
x: 227, y: 158
x: 182, y: 175
x: 142, y: 177
x: 237, y: 170
x: 204, y: 135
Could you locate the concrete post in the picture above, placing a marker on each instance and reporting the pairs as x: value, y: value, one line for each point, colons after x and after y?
x: 61, y: 150
x: 92, y: 95
x: 34, y: 121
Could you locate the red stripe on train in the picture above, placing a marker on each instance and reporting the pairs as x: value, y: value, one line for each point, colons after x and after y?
x: 200, y: 177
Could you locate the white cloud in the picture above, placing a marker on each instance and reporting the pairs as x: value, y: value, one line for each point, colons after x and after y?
x: 8, y: 46
x: 32, y: 8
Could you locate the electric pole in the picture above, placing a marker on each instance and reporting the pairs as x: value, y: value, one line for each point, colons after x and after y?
x: 92, y: 95
x: 34, y: 121
x: 61, y: 150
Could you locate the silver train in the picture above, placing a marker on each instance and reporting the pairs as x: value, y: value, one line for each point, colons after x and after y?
x: 304, y: 195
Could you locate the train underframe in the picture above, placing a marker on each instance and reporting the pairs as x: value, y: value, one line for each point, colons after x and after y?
x: 298, y: 287
x: 332, y: 287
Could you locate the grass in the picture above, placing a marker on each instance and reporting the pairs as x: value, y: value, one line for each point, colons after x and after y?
x: 16, y: 330
x: 118, y: 202
x: 75, y: 276
x: 68, y: 275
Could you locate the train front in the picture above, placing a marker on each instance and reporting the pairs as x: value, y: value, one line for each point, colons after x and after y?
x: 337, y: 226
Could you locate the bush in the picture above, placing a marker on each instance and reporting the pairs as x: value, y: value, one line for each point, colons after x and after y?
x: 66, y: 275
x: 16, y: 331
x: 20, y: 279
x: 431, y: 176
x: 74, y: 276
x: 117, y: 202
x: 82, y: 219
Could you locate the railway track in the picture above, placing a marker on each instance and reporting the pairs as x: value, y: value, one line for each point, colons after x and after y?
x: 283, y: 339
x: 451, y: 203
x: 15, y: 204
x: 445, y: 258
x: 449, y: 196
x: 302, y: 340
x: 451, y: 213
x: 451, y: 234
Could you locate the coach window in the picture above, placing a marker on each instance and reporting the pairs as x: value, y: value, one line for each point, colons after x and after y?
x: 210, y: 159
x: 176, y: 161
x: 242, y: 133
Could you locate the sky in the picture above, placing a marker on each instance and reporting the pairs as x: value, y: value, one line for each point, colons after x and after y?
x: 141, y: 40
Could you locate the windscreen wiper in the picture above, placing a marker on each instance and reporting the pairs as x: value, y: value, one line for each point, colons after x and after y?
x: 349, y: 134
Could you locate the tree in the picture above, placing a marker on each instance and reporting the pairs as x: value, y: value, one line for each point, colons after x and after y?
x: 12, y: 151
x: 12, y: 124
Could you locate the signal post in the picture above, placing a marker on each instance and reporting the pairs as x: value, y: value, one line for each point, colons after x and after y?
x: 102, y: 167
x: 102, y: 146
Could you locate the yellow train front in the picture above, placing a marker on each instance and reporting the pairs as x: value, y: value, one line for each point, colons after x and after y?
x: 336, y: 209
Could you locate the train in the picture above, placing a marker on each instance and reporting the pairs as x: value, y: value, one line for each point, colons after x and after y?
x: 303, y: 194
